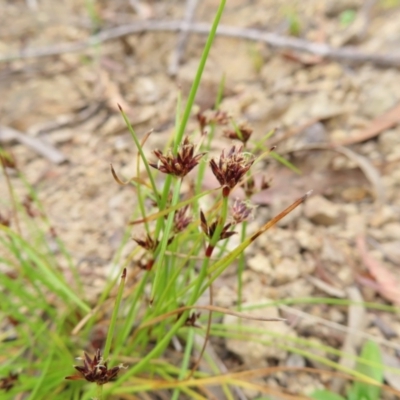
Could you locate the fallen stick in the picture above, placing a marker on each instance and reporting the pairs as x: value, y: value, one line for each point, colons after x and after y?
x: 344, y: 54
x: 41, y: 147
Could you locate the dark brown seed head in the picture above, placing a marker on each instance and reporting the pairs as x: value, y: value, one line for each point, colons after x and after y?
x: 209, y: 230
x: 242, y: 133
x: 95, y: 370
x: 241, y: 211
x: 180, y: 164
x: 181, y: 220
x: 231, y: 168
x: 147, y: 243
x: 8, y: 382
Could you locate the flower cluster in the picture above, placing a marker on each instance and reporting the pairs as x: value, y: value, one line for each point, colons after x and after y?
x: 241, y: 211
x: 95, y: 370
x: 8, y: 382
x: 231, y: 168
x: 217, y: 117
x: 209, y: 230
x: 181, y: 219
x: 181, y: 164
x: 242, y: 133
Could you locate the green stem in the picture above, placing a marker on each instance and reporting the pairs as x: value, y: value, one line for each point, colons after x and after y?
x: 114, y: 316
x: 185, y: 361
x: 99, y: 395
x: 199, y: 73
x: 158, y: 265
x: 212, y: 244
x: 241, y: 266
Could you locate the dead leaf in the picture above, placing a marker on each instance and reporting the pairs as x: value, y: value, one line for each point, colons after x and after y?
x: 369, y: 170
x: 378, y: 125
x: 389, y: 286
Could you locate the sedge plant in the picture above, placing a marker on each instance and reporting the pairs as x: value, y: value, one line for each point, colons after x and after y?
x: 151, y: 311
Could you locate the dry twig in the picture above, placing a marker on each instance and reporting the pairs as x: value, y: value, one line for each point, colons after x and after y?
x: 344, y: 54
x: 8, y: 134
x: 182, y: 38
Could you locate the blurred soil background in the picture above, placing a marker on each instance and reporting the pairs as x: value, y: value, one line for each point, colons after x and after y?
x: 337, y: 120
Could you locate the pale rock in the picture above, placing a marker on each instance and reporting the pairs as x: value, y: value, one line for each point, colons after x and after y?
x: 391, y: 251
x: 112, y: 125
x: 376, y: 98
x: 336, y: 316
x: 260, y: 110
x: 319, y: 105
x: 332, y: 70
x: 305, y: 384
x: 355, y: 193
x: 308, y: 241
x: 35, y: 170
x: 392, y: 231
x: 286, y: 271
x: 249, y: 276
x: 260, y: 263
x: 277, y: 207
x: 331, y: 253
x: 289, y: 247
x: 321, y: 211
x: 122, y: 142
x: 276, y: 70
x: 143, y: 114
x: 334, y: 8
x: 355, y: 225
x: 255, y: 354
x: 146, y: 90
x: 307, y: 263
x: 345, y: 275
x: 295, y: 361
x: 225, y: 297
x: 382, y: 215
x: 298, y: 288
x: 388, y: 140
x: 317, y: 347
x: 337, y: 135
x: 61, y: 136
x: 255, y: 290
x: 394, y: 156
x: 350, y: 209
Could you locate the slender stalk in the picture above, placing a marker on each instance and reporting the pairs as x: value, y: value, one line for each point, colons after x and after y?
x: 241, y: 265
x: 164, y: 242
x: 114, y: 315
x: 199, y: 73
x: 185, y: 361
x: 99, y: 393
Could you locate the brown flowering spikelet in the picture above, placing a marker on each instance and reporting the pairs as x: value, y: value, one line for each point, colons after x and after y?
x: 231, y: 168
x: 149, y: 243
x: 191, y: 319
x: 181, y: 164
x: 250, y: 188
x: 208, y: 117
x: 181, y: 220
x: 209, y: 230
x: 95, y: 370
x: 242, y: 133
x: 8, y: 382
x: 241, y: 211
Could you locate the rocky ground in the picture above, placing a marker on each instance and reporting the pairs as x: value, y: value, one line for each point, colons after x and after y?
x: 338, y: 122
